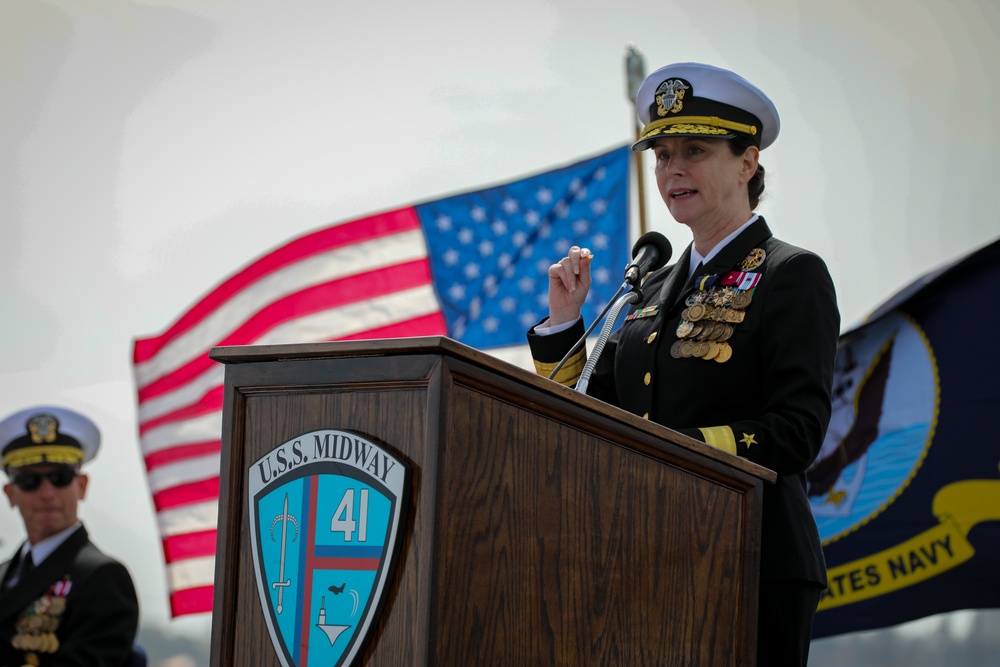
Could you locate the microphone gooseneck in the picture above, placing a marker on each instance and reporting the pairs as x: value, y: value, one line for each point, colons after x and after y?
x: 579, y: 343
x: 635, y: 296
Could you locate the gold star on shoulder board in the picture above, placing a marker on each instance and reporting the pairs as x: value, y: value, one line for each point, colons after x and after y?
x: 748, y: 440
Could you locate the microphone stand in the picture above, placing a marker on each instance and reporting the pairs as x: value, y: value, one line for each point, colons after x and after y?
x: 630, y: 297
x: 583, y: 339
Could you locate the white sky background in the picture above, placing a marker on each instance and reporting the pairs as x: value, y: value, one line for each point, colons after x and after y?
x: 150, y: 149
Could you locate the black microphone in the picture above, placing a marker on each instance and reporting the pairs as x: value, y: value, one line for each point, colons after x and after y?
x: 649, y: 253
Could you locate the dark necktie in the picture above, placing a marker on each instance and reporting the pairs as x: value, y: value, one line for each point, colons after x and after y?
x: 689, y: 284
x: 27, y: 566
x: 697, y: 270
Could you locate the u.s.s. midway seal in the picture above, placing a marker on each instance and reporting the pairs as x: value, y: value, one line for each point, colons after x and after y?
x: 325, y: 520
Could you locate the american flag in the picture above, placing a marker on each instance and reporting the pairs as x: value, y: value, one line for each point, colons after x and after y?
x: 471, y: 266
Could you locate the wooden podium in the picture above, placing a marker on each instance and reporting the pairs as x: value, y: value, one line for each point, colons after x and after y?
x: 544, y: 527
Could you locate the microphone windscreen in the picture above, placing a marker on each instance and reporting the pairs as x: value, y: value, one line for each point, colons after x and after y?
x: 662, y: 245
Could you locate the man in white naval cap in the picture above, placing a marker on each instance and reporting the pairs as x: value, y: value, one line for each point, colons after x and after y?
x: 62, y: 601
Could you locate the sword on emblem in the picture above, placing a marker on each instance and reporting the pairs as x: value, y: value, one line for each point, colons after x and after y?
x: 282, y: 583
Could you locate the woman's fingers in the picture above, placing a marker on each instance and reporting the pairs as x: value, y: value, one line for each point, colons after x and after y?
x: 569, y: 283
x: 577, y: 256
x: 573, y: 270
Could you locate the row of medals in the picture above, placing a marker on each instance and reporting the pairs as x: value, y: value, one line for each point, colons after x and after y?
x: 707, y: 323
x: 36, y: 630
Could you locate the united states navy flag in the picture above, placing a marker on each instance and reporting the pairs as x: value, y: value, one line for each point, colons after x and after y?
x: 906, y: 489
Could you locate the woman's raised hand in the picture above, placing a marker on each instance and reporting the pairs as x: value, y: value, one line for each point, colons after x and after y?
x: 569, y: 283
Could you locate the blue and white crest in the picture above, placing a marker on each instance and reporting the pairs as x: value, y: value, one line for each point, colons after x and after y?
x: 885, y: 413
x: 325, y: 518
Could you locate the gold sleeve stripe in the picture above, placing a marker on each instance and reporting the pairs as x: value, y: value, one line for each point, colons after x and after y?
x: 720, y: 437
x: 569, y: 373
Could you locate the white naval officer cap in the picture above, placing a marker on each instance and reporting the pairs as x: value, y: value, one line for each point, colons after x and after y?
x: 697, y: 100
x: 47, y: 434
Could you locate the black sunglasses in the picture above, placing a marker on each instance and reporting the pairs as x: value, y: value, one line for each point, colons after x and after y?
x: 59, y: 478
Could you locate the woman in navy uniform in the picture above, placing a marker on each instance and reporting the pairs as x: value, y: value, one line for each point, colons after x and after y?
x: 62, y: 601
x: 733, y: 345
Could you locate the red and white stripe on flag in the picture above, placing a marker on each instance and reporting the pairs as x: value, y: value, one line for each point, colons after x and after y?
x: 362, y: 279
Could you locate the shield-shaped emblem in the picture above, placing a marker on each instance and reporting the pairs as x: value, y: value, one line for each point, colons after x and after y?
x: 325, y: 513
